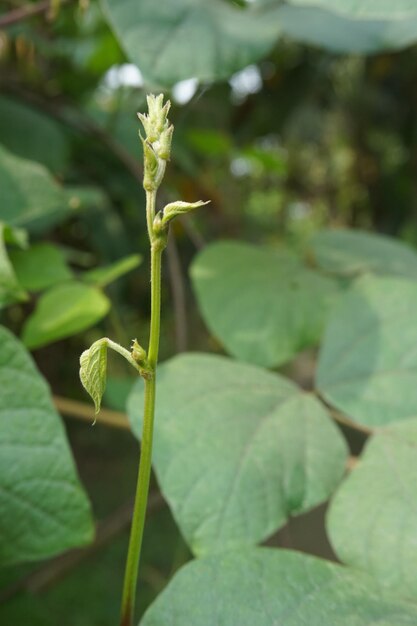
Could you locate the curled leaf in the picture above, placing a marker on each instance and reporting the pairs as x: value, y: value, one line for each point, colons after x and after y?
x: 180, y: 208
x: 93, y: 370
x: 93, y: 366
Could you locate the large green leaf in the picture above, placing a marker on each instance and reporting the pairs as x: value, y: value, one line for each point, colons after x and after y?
x: 63, y: 311
x: 29, y: 193
x: 10, y: 288
x: 361, y: 26
x: 32, y: 135
x: 40, y: 266
x: 237, y: 449
x: 30, y: 196
x: 365, y: 9
x: 372, y: 519
x: 262, y: 304
x: 171, y: 41
x: 368, y: 361
x: 43, y: 509
x: 352, y: 252
x: 266, y: 587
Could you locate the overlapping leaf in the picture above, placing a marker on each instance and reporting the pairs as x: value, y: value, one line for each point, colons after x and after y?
x: 262, y: 304
x: 209, y: 40
x: 212, y: 40
x: 368, y: 361
x: 237, y: 449
x: 353, y: 252
x: 372, y: 519
x: 43, y: 508
x: 263, y: 586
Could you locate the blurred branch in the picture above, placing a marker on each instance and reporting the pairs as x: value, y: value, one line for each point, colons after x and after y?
x: 194, y: 235
x: 85, y: 412
x: 24, y: 12
x: 178, y: 293
x: 345, y: 421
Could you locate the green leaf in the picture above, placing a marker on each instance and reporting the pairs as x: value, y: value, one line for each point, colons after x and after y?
x: 27, y: 132
x: 30, y: 196
x: 237, y: 449
x: 10, y: 288
x: 209, y: 40
x: 263, y: 586
x: 368, y: 361
x: 63, y: 311
x: 43, y: 508
x: 262, y: 303
x: 372, y: 519
x: 102, y: 276
x: 93, y: 370
x: 352, y: 252
x: 40, y: 267
x: 367, y: 26
x: 212, y: 40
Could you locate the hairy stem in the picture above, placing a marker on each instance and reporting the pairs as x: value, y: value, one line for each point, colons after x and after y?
x: 141, y: 498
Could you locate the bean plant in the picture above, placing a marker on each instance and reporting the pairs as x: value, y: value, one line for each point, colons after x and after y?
x: 241, y: 444
x: 156, y: 149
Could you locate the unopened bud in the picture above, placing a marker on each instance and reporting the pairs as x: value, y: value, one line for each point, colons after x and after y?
x: 138, y: 353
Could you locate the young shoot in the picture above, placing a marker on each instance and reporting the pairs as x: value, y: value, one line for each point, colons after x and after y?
x: 93, y: 362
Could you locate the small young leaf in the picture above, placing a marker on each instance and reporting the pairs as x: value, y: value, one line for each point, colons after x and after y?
x: 180, y: 208
x: 93, y: 370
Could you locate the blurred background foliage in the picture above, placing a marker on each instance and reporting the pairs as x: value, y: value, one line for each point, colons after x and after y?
x: 283, y: 137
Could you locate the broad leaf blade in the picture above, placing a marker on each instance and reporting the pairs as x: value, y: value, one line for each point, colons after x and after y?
x: 41, y: 266
x: 32, y: 135
x: 368, y: 360
x: 353, y: 252
x: 367, y: 26
x: 264, y: 587
x: 209, y: 40
x: 63, y: 311
x: 372, y: 519
x: 261, y: 303
x: 33, y: 199
x: 237, y: 449
x: 43, y: 509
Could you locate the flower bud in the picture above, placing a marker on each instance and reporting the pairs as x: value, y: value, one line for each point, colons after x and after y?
x: 138, y: 353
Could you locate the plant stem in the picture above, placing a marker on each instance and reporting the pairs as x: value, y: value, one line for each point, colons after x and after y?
x: 141, y: 498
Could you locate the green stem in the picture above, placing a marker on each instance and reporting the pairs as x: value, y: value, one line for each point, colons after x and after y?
x: 142, y: 489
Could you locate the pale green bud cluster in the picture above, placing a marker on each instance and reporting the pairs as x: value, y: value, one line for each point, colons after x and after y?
x: 157, y: 143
